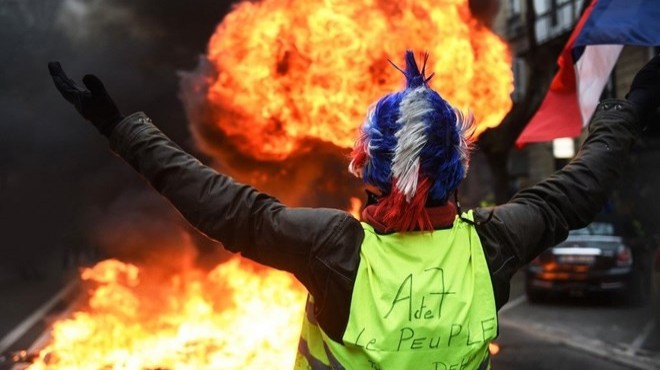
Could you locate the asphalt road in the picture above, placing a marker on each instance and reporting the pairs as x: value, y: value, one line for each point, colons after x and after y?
x: 565, y: 333
x: 576, y: 332
x: 521, y: 351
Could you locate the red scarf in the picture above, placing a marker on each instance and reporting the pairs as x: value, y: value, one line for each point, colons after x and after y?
x: 442, y: 217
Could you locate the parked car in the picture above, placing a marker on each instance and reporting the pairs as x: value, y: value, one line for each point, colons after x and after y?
x: 592, y: 259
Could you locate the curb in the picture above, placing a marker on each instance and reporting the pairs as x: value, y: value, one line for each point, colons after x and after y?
x: 618, y: 352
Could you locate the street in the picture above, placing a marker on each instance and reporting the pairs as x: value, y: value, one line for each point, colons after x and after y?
x: 565, y: 333
x: 575, y: 333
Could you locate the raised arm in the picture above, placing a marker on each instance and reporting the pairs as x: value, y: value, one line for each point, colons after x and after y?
x: 541, y: 216
x: 242, y: 218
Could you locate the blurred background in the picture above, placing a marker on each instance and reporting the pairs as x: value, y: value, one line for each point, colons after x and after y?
x: 67, y: 202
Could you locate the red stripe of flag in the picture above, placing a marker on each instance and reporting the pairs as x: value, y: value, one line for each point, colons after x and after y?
x: 559, y: 114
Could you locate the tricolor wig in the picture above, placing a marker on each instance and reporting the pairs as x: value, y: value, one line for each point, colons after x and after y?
x: 415, y: 148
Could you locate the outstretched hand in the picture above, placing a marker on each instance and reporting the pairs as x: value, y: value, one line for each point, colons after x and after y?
x: 645, y: 91
x: 93, y: 103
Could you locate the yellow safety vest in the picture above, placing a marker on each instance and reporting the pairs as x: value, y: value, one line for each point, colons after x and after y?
x: 421, y: 300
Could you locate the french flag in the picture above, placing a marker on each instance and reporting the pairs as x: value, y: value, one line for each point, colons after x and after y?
x: 586, y: 63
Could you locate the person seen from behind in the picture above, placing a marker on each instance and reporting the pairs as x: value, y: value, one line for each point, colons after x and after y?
x: 418, y: 282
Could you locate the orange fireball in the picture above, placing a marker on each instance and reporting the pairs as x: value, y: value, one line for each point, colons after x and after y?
x: 237, y: 316
x: 290, y: 72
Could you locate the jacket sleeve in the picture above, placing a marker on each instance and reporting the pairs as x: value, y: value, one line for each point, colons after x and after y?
x: 541, y: 216
x: 242, y: 218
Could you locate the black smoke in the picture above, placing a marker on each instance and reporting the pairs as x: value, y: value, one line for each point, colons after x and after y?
x: 58, y: 180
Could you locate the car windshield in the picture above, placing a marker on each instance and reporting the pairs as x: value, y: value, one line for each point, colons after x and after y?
x: 595, y: 228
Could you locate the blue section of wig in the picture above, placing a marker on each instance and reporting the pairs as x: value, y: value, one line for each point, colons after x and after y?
x: 380, y: 130
x: 415, y: 78
x: 440, y: 158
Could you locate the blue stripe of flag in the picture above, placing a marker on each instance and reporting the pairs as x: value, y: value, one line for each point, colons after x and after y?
x: 622, y: 22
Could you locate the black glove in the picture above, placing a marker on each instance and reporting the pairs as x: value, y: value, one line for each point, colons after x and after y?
x: 95, y: 105
x: 645, y: 90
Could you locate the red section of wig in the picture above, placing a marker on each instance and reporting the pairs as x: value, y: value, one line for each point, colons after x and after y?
x: 359, y: 154
x: 399, y: 215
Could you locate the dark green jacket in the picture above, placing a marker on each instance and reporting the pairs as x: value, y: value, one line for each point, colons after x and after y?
x: 321, y: 246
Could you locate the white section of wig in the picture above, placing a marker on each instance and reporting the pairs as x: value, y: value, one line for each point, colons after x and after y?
x: 357, y: 172
x: 411, y: 138
x: 465, y: 126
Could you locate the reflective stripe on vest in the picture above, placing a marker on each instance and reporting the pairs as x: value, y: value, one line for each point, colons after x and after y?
x: 421, y: 300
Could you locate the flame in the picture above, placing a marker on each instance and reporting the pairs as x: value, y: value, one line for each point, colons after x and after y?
x: 356, y: 206
x: 237, y: 316
x: 493, y: 348
x: 292, y: 72
x: 240, y: 315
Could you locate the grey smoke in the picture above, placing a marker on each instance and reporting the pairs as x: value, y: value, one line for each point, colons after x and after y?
x: 57, y: 177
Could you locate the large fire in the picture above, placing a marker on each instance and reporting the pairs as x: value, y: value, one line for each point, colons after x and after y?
x: 237, y: 316
x: 288, y: 76
x: 290, y: 72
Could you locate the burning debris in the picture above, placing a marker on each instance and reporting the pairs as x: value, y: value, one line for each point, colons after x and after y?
x: 237, y: 316
x: 18, y: 357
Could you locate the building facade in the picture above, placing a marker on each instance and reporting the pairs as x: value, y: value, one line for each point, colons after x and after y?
x: 553, y: 21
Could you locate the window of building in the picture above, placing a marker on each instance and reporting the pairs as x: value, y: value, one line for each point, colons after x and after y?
x: 519, y: 78
x: 514, y: 8
x: 514, y: 28
x: 555, y: 17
